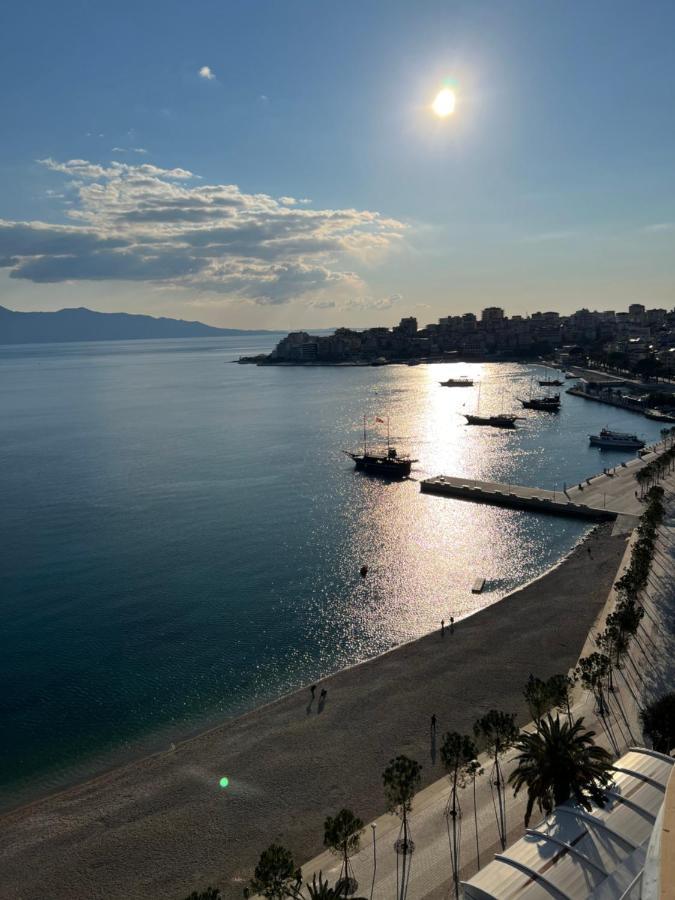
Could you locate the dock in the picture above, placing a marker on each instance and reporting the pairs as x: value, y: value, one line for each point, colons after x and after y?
x: 516, y: 496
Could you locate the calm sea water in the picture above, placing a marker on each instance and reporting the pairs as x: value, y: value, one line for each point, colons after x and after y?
x: 181, y: 537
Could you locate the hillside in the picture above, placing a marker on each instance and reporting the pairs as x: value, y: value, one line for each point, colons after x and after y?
x: 83, y: 324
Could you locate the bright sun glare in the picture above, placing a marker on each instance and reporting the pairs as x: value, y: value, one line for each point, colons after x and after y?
x: 444, y: 104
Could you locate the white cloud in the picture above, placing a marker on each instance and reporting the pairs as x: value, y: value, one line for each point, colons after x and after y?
x: 145, y: 223
x: 205, y: 72
x: 141, y: 150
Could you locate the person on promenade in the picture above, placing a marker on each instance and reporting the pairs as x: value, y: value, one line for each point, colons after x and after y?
x: 433, y: 724
x: 442, y: 627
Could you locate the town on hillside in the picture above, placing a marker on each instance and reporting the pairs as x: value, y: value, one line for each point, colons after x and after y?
x: 640, y: 340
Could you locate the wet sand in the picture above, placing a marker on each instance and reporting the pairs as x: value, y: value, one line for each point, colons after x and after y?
x: 162, y: 827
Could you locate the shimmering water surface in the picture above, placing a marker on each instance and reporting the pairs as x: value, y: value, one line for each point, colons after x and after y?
x: 181, y: 537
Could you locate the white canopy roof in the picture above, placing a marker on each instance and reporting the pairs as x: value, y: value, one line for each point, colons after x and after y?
x: 574, y: 854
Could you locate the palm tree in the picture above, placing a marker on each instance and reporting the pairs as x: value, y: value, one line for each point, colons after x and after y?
x: 458, y: 751
x: 322, y: 890
x: 558, y: 763
x: 342, y: 835
x: 497, y: 732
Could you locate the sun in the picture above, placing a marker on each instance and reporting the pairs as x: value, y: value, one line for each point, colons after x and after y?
x: 444, y: 103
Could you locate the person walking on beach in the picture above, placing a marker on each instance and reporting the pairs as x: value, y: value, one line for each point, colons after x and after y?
x: 442, y: 627
x: 433, y: 724
x: 312, y: 690
x: 452, y: 624
x: 323, y: 695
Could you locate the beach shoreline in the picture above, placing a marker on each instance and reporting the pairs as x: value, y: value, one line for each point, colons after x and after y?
x: 139, y: 756
x: 161, y: 826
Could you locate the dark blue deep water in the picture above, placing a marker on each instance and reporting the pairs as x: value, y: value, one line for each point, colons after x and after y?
x: 181, y: 537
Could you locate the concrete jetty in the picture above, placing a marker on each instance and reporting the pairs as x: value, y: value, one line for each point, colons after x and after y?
x: 515, y: 496
x: 609, y: 495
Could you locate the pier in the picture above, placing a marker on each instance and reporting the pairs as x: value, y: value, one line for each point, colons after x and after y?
x: 609, y: 495
x: 515, y: 496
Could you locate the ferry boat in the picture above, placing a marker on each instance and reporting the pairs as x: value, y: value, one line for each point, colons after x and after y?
x: 387, y: 464
x: 462, y: 381
x: 501, y: 421
x: 544, y: 404
x: 619, y: 440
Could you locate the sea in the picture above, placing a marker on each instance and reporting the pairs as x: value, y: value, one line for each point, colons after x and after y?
x: 181, y: 537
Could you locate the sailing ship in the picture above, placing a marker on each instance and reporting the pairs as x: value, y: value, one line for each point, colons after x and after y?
x: 618, y: 440
x: 499, y: 421
x: 388, y: 464
x: 550, y: 403
x: 462, y: 381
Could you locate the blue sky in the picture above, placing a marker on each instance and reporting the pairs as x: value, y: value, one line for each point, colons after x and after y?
x: 308, y: 183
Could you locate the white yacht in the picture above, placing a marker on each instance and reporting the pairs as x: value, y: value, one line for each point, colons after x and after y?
x: 620, y: 440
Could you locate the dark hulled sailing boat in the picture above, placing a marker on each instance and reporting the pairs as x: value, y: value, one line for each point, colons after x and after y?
x: 503, y: 420
x: 389, y: 464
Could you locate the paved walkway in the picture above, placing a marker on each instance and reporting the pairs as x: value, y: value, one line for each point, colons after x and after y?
x: 648, y: 672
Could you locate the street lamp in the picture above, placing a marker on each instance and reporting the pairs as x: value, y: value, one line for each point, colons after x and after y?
x: 372, y: 886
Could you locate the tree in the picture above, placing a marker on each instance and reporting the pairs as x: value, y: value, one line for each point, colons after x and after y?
x: 342, y: 835
x: 458, y: 751
x: 561, y: 687
x: 558, y: 763
x: 592, y: 671
x: 538, y: 697
x: 209, y: 894
x: 497, y: 732
x: 658, y: 722
x: 276, y: 875
x: 401, y: 779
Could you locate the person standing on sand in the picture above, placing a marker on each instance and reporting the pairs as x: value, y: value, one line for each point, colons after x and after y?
x: 312, y: 690
x: 452, y: 624
x: 323, y: 694
x: 442, y: 627
x: 433, y: 724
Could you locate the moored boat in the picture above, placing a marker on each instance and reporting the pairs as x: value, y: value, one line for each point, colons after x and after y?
x: 385, y: 463
x: 501, y: 421
x: 462, y: 381
x: 544, y: 404
x: 550, y: 382
x: 619, y: 440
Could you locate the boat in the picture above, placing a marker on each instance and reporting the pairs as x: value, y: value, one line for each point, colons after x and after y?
x: 659, y: 415
x: 544, y: 404
x: 462, y: 381
x: 385, y: 463
x: 551, y: 382
x: 499, y: 421
x: 569, y: 376
x: 620, y: 440
x: 502, y: 421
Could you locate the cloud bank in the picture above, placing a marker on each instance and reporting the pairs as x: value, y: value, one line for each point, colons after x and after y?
x: 145, y: 223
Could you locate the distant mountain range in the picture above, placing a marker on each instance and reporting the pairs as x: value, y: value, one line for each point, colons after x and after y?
x: 83, y: 324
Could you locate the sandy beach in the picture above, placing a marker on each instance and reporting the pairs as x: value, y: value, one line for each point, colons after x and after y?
x: 162, y: 826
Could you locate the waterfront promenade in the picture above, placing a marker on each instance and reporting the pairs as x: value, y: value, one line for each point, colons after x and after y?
x: 162, y: 826
x: 648, y: 673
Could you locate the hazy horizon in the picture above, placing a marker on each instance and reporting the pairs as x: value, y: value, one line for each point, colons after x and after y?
x: 281, y: 167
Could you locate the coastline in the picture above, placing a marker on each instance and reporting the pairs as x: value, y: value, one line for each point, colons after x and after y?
x: 289, y: 765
